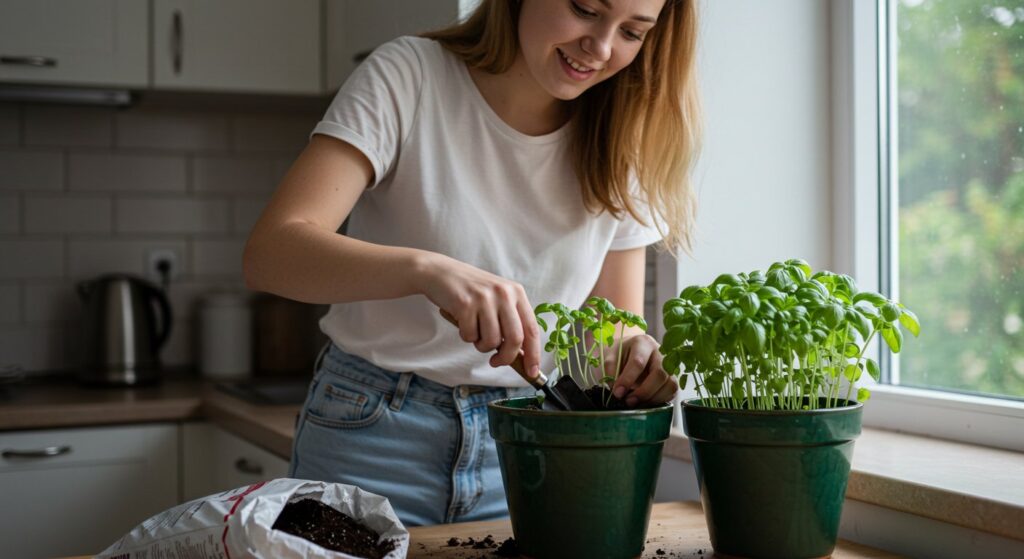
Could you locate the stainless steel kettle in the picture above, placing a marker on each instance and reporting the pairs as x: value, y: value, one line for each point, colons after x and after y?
x: 121, y: 331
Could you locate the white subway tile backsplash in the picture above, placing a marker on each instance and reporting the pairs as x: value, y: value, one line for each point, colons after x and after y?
x: 180, y: 347
x: 51, y: 302
x: 10, y: 303
x: 245, y: 213
x: 283, y: 164
x: 31, y: 259
x: 69, y: 126
x: 67, y: 214
x: 218, y: 258
x: 171, y: 130
x: 93, y: 257
x: 185, y: 296
x: 233, y: 174
x: 10, y: 124
x: 34, y: 348
x: 126, y: 172
x: 10, y: 214
x: 261, y: 133
x: 31, y: 170
x: 171, y: 215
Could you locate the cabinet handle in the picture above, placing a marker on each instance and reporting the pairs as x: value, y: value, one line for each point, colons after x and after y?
x: 246, y: 467
x: 36, y: 453
x: 36, y: 61
x: 177, y: 37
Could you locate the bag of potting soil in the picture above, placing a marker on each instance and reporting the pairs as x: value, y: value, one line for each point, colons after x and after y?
x: 240, y: 523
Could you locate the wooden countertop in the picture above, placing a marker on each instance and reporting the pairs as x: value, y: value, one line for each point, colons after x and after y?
x: 677, y: 529
x: 66, y: 404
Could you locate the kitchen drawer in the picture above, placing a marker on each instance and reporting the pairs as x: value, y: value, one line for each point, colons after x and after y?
x: 216, y: 460
x: 83, y: 499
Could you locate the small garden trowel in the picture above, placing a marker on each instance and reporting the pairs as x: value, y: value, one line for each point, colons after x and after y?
x: 559, y: 394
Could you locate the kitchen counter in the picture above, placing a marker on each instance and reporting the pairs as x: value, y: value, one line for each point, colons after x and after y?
x: 64, y: 403
x: 677, y: 530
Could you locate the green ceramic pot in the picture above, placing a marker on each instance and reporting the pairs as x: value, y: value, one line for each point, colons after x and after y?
x: 772, y: 482
x: 578, y: 484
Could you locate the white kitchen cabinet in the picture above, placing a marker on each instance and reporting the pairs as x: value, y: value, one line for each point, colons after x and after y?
x: 76, y: 491
x: 215, y: 461
x: 75, y: 42
x: 355, y: 27
x: 254, y: 46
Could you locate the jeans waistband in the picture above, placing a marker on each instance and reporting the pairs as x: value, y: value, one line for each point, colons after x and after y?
x: 407, y: 385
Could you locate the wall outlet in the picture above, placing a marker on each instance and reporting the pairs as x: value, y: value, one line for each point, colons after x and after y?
x: 156, y: 259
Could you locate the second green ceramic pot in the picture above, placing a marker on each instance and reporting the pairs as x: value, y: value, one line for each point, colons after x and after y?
x: 772, y: 482
x: 578, y: 484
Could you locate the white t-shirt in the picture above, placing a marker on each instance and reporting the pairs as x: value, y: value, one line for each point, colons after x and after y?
x: 452, y: 177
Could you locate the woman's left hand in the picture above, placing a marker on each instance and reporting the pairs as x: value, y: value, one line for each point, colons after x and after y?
x: 641, y: 378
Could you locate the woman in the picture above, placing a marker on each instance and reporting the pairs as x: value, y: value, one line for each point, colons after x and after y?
x: 528, y: 154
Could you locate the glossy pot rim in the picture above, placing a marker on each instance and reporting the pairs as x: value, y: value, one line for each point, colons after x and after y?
x: 497, y: 405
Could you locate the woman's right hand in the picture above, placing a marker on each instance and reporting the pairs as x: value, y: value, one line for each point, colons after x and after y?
x: 493, y: 313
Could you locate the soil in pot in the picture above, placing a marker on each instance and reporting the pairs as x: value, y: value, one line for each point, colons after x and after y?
x: 332, y: 529
x: 603, y: 401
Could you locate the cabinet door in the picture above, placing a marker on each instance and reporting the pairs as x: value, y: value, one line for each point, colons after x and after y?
x: 215, y: 461
x: 355, y: 27
x: 75, y: 42
x: 76, y: 491
x: 253, y: 46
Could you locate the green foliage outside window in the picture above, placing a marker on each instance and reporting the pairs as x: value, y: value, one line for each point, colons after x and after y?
x: 960, y: 96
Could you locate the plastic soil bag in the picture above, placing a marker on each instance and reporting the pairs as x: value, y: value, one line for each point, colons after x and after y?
x: 238, y: 524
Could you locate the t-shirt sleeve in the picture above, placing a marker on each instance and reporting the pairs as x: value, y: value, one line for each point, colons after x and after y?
x: 630, y: 233
x: 376, y: 106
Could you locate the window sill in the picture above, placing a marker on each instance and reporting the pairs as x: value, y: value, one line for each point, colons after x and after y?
x: 967, y: 485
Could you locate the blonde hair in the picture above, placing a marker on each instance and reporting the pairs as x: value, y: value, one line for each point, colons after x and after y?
x: 643, y: 122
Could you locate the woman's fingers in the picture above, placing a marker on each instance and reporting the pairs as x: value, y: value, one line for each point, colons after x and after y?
x: 651, y: 386
x: 490, y: 329
x: 531, y: 337
x: 637, y: 352
x: 667, y: 392
x: 511, y: 333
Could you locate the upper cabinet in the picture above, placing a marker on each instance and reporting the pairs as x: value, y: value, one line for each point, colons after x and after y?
x: 75, y: 42
x: 355, y: 27
x: 259, y: 46
x: 293, y: 47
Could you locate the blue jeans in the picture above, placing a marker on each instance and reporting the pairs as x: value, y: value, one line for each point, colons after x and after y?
x: 425, y: 446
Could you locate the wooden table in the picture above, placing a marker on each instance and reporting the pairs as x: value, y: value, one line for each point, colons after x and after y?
x: 678, y: 529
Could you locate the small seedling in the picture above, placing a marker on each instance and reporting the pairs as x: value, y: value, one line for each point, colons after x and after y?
x: 590, y: 329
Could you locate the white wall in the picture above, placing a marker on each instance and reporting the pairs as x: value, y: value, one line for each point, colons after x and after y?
x: 764, y: 177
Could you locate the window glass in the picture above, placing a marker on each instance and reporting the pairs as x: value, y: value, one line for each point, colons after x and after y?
x: 958, y: 104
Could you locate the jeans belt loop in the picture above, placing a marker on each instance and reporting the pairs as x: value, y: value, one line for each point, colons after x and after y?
x: 401, y: 390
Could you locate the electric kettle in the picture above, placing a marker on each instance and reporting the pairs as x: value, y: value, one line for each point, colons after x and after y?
x: 121, y: 332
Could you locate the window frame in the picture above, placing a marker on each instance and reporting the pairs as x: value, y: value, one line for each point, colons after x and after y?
x: 863, y: 216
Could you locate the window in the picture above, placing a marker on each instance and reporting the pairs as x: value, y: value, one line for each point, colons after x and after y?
x: 928, y: 105
x: 954, y: 249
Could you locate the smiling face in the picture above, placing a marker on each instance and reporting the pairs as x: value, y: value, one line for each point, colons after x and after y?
x: 569, y: 46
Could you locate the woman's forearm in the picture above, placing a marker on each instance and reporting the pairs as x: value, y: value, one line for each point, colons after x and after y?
x: 304, y: 262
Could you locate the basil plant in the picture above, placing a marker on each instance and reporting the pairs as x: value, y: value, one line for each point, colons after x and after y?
x: 784, y: 339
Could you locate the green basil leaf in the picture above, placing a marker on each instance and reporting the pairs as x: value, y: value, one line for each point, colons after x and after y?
x: 893, y: 338
x: 873, y: 370
x: 909, y: 321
